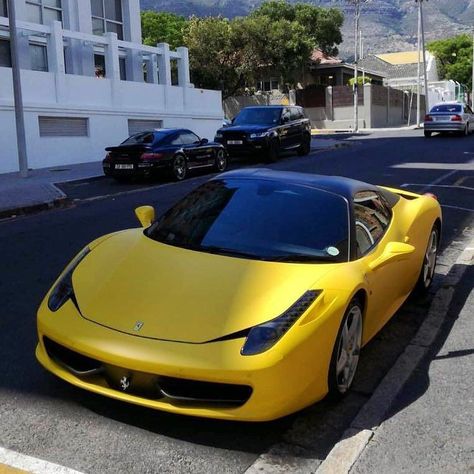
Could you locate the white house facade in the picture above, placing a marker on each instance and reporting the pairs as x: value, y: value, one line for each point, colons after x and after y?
x: 88, y: 82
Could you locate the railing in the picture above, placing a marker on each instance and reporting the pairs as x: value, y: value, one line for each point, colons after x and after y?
x: 157, y: 60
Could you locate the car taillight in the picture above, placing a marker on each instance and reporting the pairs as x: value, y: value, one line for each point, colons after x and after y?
x: 431, y: 195
x: 456, y: 118
x: 428, y: 118
x: 108, y: 157
x: 151, y: 156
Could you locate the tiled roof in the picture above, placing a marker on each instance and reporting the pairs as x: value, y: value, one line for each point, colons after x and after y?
x: 321, y: 58
x: 390, y: 71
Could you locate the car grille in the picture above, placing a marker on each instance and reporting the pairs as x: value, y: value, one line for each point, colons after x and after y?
x: 177, y: 391
x: 235, y: 136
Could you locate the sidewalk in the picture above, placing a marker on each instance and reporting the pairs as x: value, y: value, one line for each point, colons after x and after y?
x: 36, y: 192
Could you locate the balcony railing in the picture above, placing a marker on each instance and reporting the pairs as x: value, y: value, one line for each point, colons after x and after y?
x: 157, y: 61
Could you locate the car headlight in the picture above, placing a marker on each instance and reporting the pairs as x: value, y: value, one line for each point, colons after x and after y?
x: 63, y: 289
x: 219, y: 135
x: 259, y: 134
x: 264, y: 336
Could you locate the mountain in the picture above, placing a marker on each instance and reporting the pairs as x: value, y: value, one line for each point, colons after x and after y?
x: 387, y: 25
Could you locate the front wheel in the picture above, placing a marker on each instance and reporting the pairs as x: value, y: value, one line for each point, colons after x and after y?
x: 427, y: 134
x: 346, y: 351
x: 305, y: 147
x: 429, y: 262
x: 179, y: 168
x: 273, y: 152
x: 221, y: 161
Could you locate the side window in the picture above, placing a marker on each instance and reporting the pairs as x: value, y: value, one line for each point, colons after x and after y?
x: 295, y: 114
x: 176, y: 139
x: 372, y: 218
x: 188, y: 138
x: 285, y: 116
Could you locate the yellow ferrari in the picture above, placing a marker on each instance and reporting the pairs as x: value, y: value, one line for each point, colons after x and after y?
x: 249, y: 299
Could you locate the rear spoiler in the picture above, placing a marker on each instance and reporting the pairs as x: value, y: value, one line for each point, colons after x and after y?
x: 128, y: 148
x: 402, y: 192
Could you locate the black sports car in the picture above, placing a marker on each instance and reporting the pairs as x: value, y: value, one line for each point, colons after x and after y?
x: 175, y: 150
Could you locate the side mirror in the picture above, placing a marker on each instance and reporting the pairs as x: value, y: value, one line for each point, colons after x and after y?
x: 285, y: 119
x: 145, y: 214
x: 204, y: 141
x: 394, y: 252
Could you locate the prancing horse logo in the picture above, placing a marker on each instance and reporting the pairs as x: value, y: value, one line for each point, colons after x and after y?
x: 138, y: 325
x: 125, y: 383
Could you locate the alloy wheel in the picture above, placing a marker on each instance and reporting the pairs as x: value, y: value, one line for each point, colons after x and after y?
x: 221, y: 161
x: 179, y: 167
x: 429, y: 262
x: 348, y: 351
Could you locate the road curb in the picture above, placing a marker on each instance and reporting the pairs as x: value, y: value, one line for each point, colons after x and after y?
x: 34, y: 208
x: 355, y: 439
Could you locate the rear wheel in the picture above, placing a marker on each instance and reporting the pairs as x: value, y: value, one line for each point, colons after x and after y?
x: 221, y: 161
x: 305, y: 146
x: 346, y: 351
x: 427, y: 134
x: 179, y: 168
x: 429, y: 262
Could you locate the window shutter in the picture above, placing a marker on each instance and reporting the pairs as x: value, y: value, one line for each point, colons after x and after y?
x: 137, y: 126
x: 63, y: 127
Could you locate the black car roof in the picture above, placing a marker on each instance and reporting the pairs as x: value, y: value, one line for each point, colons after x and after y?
x: 345, y: 187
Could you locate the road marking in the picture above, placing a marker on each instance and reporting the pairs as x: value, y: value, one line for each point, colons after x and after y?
x: 467, y: 188
x: 458, y: 208
x: 12, y: 462
x: 438, y: 166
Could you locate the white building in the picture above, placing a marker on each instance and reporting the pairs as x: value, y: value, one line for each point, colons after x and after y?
x: 88, y: 82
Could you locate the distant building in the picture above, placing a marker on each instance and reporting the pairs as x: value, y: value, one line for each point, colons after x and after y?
x: 88, y: 82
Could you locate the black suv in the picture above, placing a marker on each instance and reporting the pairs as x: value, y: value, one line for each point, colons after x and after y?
x: 267, y: 129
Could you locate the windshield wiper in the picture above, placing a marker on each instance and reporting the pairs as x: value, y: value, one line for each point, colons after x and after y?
x: 299, y: 257
x: 215, y: 249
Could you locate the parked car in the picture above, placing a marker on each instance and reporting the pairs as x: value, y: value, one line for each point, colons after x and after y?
x: 172, y: 150
x: 267, y: 130
x: 449, y: 117
x: 248, y: 300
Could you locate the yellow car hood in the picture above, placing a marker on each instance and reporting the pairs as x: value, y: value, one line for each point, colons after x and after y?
x: 182, y: 295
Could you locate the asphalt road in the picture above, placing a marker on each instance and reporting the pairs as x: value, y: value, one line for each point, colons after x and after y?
x: 44, y: 417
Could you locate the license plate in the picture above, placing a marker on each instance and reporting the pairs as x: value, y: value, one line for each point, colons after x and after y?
x: 234, y: 142
x: 441, y: 119
x: 124, y: 167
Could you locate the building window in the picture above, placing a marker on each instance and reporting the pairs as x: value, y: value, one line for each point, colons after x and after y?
x: 5, y: 57
x: 3, y: 8
x: 268, y: 86
x: 38, y: 57
x: 99, y: 65
x: 107, y: 17
x: 137, y: 126
x: 63, y: 126
x: 43, y: 11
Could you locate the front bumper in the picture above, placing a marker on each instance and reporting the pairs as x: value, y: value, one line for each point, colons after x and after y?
x: 248, y: 147
x: 289, y: 377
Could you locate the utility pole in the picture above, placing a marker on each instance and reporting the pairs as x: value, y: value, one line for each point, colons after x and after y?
x: 472, y: 85
x: 18, y: 99
x: 356, y: 59
x: 421, y: 47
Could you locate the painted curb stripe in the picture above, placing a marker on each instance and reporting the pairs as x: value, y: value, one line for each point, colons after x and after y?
x: 12, y: 462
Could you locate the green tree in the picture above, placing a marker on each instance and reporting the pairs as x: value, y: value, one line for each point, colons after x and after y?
x: 322, y: 26
x: 454, y: 58
x: 163, y: 27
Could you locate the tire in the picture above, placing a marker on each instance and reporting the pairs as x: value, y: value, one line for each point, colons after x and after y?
x: 221, y: 161
x: 305, y: 147
x: 428, y: 266
x: 427, y: 134
x: 179, y: 167
x: 346, y: 351
x: 273, y: 152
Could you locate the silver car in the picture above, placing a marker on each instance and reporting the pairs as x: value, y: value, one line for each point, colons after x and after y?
x: 449, y: 117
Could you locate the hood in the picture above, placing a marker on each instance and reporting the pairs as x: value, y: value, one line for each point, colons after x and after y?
x: 183, y: 295
x: 246, y: 128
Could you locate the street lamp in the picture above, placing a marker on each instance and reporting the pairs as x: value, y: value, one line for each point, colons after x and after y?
x: 421, y: 39
x: 18, y: 99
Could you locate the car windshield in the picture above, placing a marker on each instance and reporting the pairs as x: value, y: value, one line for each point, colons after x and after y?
x: 258, y: 219
x: 258, y: 116
x: 447, y: 108
x: 145, y: 138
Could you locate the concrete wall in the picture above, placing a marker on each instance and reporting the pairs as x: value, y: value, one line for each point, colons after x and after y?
x: 378, y: 107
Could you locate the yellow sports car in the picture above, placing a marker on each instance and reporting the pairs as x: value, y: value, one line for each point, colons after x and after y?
x: 248, y: 300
